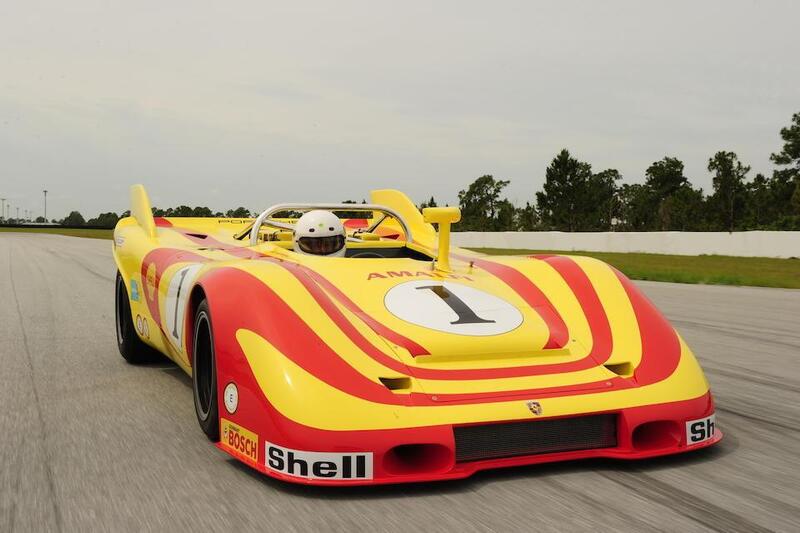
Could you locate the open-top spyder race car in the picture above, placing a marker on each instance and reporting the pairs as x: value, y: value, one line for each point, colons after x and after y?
x: 360, y: 348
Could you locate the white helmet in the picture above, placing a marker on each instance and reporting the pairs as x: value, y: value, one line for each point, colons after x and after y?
x: 319, y: 233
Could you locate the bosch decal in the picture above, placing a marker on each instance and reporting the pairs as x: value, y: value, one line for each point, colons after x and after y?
x: 239, y: 439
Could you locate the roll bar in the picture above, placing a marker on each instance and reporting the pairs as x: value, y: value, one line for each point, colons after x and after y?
x: 264, y: 217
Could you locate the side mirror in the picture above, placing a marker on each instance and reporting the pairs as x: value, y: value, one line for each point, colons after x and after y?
x: 444, y: 217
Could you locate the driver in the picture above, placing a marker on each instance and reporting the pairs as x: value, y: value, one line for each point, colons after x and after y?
x: 319, y: 232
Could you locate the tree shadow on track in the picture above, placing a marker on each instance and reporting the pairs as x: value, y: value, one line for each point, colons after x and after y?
x: 478, y: 480
x: 176, y: 372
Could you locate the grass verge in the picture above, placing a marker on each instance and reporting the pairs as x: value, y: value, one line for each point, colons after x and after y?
x: 90, y: 233
x: 708, y: 269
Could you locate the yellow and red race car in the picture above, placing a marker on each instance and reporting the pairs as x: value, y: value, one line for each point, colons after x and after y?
x: 401, y: 360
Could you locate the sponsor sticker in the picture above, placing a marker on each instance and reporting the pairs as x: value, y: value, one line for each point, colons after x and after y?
x: 231, y: 397
x: 134, y: 290
x: 318, y: 465
x: 389, y: 274
x: 700, y: 430
x: 239, y: 439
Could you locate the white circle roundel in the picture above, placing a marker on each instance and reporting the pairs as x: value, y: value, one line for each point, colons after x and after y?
x: 452, y: 308
x: 231, y: 397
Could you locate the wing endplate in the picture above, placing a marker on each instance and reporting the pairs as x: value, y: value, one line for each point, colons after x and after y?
x: 142, y: 211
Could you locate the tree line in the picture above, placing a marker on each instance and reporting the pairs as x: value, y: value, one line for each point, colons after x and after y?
x: 576, y: 198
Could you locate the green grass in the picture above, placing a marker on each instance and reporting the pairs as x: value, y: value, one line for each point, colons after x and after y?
x: 90, y: 233
x: 709, y: 269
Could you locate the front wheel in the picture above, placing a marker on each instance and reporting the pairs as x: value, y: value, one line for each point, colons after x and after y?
x: 131, y: 347
x: 204, y: 373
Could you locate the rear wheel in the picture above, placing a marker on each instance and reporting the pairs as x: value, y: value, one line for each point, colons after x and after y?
x: 131, y: 347
x: 204, y: 373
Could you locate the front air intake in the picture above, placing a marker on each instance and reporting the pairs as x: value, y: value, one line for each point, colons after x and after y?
x: 511, y: 439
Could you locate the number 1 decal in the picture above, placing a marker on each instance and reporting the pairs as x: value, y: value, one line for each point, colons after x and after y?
x: 431, y: 305
x: 176, y: 301
x: 465, y: 314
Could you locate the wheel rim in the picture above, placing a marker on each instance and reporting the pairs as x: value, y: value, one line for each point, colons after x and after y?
x: 203, y: 360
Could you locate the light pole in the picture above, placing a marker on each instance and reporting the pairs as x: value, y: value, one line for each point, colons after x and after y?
x: 2, y: 208
x: 45, y: 205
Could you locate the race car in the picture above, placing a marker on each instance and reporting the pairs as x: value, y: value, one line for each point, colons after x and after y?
x: 344, y: 344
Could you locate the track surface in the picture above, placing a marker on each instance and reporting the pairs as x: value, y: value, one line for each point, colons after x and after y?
x: 89, y: 442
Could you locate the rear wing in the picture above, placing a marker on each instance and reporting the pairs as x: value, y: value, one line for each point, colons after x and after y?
x: 142, y: 211
x: 396, y: 200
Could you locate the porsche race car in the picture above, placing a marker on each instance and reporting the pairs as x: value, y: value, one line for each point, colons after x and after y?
x: 401, y: 359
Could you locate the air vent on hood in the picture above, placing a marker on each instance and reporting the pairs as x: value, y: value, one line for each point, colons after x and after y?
x: 397, y: 384
x: 624, y: 370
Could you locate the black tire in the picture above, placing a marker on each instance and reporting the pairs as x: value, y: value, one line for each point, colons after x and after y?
x: 204, y: 373
x: 131, y: 347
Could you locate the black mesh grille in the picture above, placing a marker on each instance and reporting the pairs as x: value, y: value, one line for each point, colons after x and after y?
x: 510, y: 439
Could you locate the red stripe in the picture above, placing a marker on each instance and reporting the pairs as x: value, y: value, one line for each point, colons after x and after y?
x: 213, y: 244
x: 661, y: 349
x: 163, y: 258
x: 248, y: 253
x: 162, y: 222
x: 533, y: 296
x: 294, y: 339
x: 298, y: 342
x: 274, y: 320
x: 387, y: 333
x: 333, y: 312
x: 573, y: 275
x: 356, y: 223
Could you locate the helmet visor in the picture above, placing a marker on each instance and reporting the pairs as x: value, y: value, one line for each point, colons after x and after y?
x: 321, y: 245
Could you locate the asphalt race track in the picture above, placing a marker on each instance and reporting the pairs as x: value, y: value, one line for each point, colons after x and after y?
x: 89, y: 442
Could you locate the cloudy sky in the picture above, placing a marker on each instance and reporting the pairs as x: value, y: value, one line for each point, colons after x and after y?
x: 253, y: 103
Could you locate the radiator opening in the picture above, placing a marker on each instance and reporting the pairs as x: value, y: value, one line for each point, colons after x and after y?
x: 511, y: 439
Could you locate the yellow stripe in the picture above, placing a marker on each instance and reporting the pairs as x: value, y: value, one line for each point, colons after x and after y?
x: 627, y: 342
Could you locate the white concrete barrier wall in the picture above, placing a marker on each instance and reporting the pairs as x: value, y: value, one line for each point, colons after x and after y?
x: 743, y: 243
